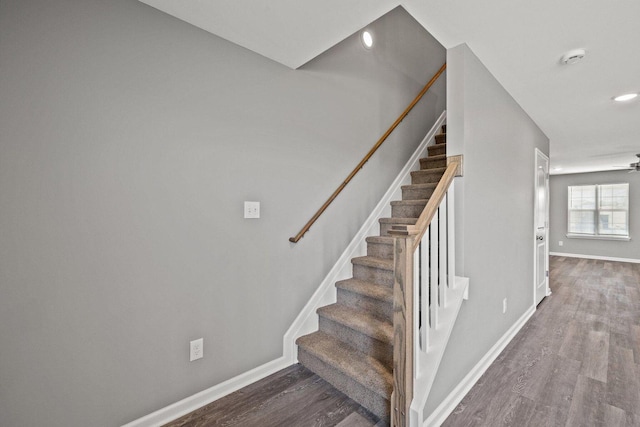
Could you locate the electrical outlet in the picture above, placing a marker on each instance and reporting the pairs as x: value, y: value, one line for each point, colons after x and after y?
x: 196, y: 349
x: 252, y: 209
x: 560, y: 243
x: 504, y: 306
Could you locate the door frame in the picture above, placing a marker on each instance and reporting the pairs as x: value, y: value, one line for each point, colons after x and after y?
x: 539, y: 155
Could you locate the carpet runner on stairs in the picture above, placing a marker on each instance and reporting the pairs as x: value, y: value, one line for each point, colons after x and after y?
x: 353, y: 348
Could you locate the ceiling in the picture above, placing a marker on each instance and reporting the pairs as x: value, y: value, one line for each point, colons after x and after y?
x: 520, y: 42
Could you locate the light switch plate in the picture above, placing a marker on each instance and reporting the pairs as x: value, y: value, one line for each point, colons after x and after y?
x: 196, y: 349
x: 252, y: 209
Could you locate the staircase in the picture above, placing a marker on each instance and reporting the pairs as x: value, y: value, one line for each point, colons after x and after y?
x: 353, y: 348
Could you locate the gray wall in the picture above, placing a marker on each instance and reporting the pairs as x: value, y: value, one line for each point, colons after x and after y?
x: 128, y: 143
x: 558, y: 206
x: 494, y: 228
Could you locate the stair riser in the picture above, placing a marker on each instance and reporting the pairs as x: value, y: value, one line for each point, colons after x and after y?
x: 409, y: 193
x: 378, y: 308
x: 441, y: 138
x: 375, y: 403
x: 425, y: 177
x: 435, y: 150
x: 427, y: 163
x: 372, y: 274
x: 358, y: 340
x: 406, y: 211
x: 380, y: 250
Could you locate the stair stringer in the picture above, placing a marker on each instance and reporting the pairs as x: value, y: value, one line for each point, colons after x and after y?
x: 307, y: 320
x: 427, y: 364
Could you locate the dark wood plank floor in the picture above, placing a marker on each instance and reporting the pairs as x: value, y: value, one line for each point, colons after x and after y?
x: 292, y: 397
x: 575, y: 363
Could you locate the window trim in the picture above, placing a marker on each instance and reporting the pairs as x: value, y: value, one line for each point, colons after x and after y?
x: 596, y: 235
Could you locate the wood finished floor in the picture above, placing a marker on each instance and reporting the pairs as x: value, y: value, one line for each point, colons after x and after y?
x: 293, y: 397
x: 575, y: 363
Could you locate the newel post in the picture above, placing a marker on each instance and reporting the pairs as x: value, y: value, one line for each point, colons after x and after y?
x: 403, y: 321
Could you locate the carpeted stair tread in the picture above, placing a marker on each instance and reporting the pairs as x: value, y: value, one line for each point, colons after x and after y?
x: 387, y: 223
x: 368, y: 289
x: 420, y: 186
x: 436, y: 161
x: 418, y: 191
x: 362, y: 368
x: 410, y: 208
x: 373, y: 269
x: 433, y: 170
x: 382, y: 240
x: 441, y: 138
x: 380, y: 246
x: 369, y: 261
x: 437, y: 149
x: 412, y: 202
x: 435, y: 157
x: 401, y: 221
x: 358, y: 321
x: 424, y: 176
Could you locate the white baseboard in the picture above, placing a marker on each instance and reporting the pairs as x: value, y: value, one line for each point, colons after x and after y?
x: 447, y: 406
x: 604, y: 258
x: 198, y: 400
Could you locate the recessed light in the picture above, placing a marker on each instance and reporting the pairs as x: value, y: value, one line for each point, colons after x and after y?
x: 625, y: 97
x: 557, y: 168
x: 367, y: 39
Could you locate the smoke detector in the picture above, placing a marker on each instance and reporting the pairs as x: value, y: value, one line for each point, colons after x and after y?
x: 573, y: 56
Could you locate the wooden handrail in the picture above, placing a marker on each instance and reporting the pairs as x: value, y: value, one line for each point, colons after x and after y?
x: 368, y: 156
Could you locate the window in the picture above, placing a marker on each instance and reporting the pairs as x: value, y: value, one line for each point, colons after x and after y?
x: 599, y: 210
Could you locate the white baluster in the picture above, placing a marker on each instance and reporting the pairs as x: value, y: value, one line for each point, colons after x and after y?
x: 451, y: 259
x: 442, y: 266
x: 433, y: 267
x: 420, y: 328
x: 424, y: 280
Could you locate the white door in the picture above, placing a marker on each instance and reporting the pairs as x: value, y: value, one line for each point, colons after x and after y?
x: 541, y: 232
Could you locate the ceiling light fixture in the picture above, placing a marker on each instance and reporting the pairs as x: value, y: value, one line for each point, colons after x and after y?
x: 625, y: 97
x: 367, y: 39
x: 573, y: 56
